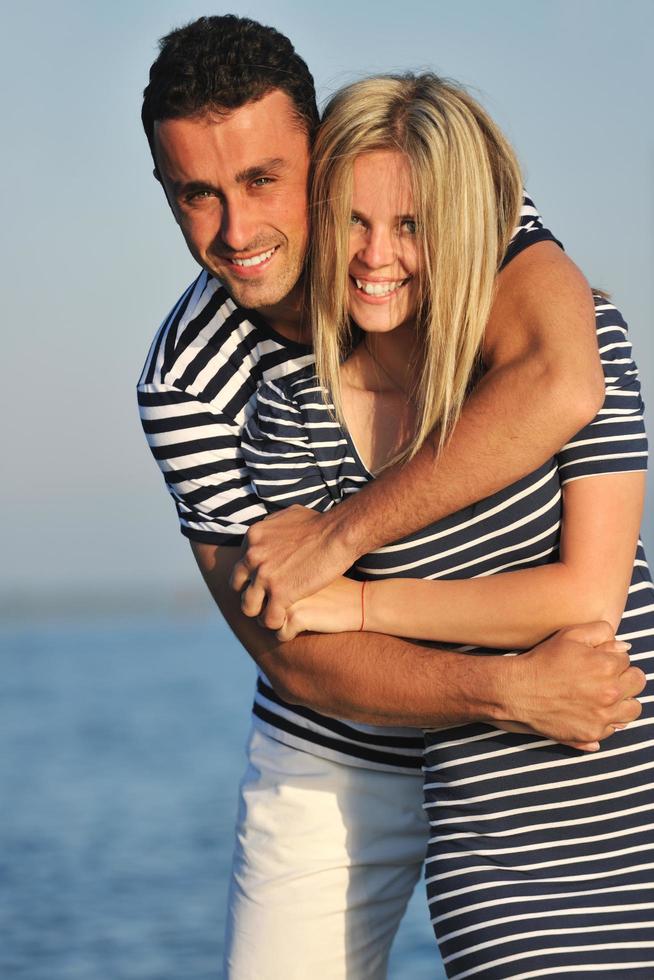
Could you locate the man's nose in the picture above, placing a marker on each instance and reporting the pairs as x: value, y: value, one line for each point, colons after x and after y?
x: 238, y: 226
x: 378, y: 249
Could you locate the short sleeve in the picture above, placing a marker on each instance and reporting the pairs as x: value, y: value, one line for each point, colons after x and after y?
x: 198, y: 451
x: 279, y: 455
x: 528, y: 231
x: 615, y: 441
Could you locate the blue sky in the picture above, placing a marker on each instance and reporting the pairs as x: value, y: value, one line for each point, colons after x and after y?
x: 91, y: 259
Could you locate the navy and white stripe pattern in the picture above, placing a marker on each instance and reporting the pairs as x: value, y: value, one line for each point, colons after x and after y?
x: 195, y: 392
x: 541, y: 858
x: 197, y: 389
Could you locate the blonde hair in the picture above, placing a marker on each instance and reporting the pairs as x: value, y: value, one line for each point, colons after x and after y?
x: 467, y: 191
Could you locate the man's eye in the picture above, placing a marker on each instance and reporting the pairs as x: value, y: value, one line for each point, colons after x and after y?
x: 202, y: 195
x: 262, y: 181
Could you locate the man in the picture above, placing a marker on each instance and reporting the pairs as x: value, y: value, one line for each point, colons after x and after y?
x: 331, y: 833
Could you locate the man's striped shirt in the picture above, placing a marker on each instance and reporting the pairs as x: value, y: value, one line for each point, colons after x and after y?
x: 196, y: 393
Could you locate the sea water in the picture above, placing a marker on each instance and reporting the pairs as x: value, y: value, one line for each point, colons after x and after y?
x: 120, y: 754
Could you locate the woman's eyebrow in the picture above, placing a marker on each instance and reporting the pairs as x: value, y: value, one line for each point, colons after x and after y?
x: 261, y: 169
x: 408, y: 216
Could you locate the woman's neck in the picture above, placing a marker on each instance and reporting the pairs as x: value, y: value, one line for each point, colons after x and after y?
x: 384, y: 362
x: 376, y: 390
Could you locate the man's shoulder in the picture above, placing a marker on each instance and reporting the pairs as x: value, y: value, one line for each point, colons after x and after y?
x: 212, y: 349
x: 193, y: 323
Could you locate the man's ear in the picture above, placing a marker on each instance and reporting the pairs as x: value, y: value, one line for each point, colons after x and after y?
x: 157, y: 177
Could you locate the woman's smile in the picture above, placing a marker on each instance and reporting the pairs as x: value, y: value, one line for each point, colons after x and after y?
x: 383, y: 251
x: 378, y: 290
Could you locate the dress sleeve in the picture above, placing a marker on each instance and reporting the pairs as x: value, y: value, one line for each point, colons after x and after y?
x: 198, y: 450
x: 615, y: 441
x: 279, y: 454
x: 528, y: 231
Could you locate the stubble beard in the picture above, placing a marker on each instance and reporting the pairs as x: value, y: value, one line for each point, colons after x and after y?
x: 268, y: 293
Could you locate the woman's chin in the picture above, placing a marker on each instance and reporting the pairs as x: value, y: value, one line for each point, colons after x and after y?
x: 380, y: 322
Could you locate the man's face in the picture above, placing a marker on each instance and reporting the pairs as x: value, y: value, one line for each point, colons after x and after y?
x: 237, y: 185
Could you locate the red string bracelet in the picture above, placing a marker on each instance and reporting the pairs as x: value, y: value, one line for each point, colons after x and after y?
x: 363, y: 606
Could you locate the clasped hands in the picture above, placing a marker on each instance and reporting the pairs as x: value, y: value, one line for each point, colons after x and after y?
x: 287, y: 556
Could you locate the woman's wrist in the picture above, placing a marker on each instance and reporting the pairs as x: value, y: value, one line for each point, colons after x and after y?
x: 370, y: 607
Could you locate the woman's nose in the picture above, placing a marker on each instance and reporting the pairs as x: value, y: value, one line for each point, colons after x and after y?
x: 378, y: 249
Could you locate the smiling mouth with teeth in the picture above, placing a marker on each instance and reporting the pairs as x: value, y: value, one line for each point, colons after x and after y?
x: 255, y: 259
x: 379, y: 288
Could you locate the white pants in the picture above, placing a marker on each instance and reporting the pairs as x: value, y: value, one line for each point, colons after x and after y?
x: 326, y: 858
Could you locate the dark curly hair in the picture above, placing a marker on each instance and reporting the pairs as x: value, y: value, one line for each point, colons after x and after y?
x: 217, y: 64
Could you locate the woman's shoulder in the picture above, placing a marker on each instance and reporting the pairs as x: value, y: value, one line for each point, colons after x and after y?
x: 295, y: 388
x: 297, y: 397
x: 293, y: 447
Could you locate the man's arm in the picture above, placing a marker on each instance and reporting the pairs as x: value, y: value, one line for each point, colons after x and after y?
x: 571, y: 688
x: 543, y: 383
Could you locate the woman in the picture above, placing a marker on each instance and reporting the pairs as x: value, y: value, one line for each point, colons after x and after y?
x: 541, y: 856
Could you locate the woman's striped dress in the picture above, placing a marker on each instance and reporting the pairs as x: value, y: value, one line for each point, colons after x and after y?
x: 541, y: 857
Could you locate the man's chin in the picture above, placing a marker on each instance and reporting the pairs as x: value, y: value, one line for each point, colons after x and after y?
x: 254, y: 294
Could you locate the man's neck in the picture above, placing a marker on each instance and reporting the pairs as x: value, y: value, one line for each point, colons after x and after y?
x: 286, y: 317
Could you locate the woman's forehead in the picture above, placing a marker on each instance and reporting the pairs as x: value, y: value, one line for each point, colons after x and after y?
x: 382, y: 183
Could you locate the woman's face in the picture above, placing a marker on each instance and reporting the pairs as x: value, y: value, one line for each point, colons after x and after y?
x: 384, y: 254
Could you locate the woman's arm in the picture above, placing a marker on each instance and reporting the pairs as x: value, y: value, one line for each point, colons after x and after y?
x: 601, y: 518
x: 541, y: 384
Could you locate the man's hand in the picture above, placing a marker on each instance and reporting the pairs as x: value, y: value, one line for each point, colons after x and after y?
x: 578, y: 687
x: 286, y: 557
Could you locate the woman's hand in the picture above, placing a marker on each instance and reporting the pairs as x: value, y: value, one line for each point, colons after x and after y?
x: 335, y: 609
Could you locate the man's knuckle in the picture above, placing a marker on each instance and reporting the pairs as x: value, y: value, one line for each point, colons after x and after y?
x: 608, y: 696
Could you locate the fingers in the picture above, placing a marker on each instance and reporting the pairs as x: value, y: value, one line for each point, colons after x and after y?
x: 634, y: 681
x: 628, y: 710
x: 273, y: 616
x: 624, y: 712
x: 240, y: 575
x: 287, y: 632
x: 583, y: 746
x: 252, y: 600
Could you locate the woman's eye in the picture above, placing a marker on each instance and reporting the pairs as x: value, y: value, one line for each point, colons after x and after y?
x: 410, y: 225
x: 355, y: 219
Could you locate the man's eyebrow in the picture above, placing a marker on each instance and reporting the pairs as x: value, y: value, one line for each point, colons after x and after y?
x: 191, y: 186
x: 261, y: 169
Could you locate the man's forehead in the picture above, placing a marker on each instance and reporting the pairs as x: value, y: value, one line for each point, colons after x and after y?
x: 272, y: 113
x: 241, y: 138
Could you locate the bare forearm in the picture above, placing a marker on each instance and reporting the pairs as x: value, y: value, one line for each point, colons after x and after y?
x: 531, y: 420
x: 544, y: 383
x: 381, y: 680
x: 560, y: 689
x: 377, y: 680
x: 508, y: 611
x: 364, y: 677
